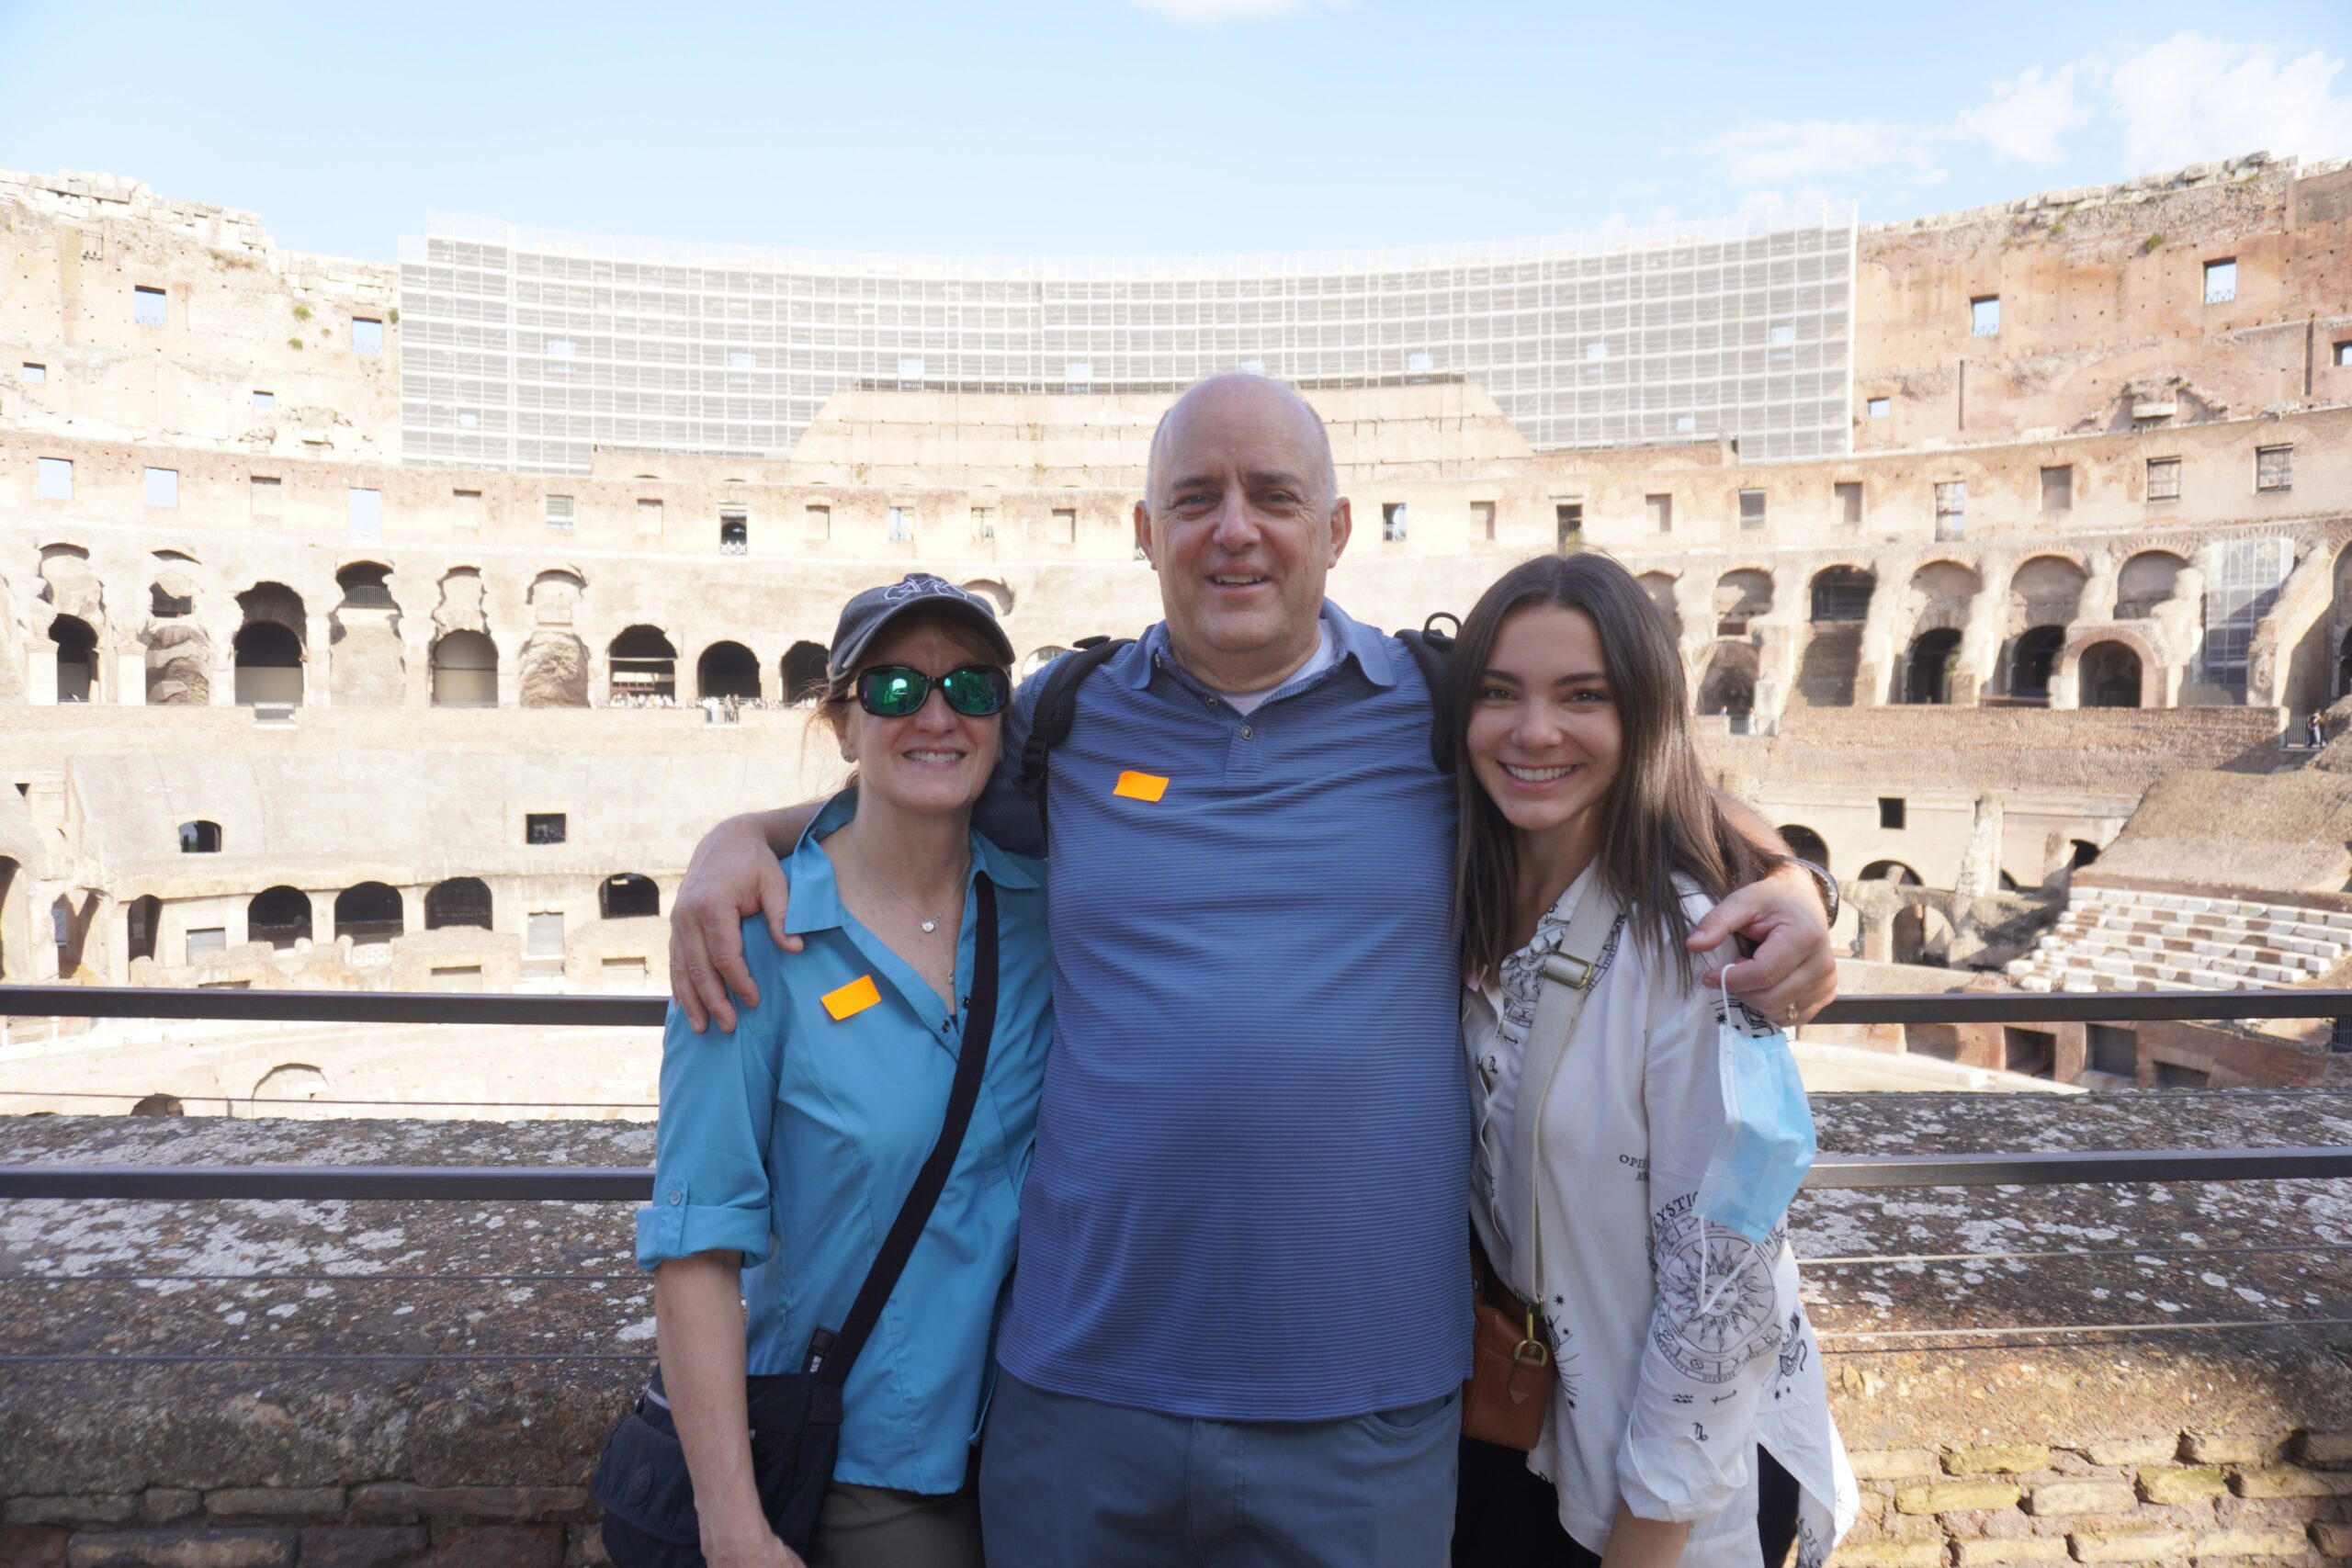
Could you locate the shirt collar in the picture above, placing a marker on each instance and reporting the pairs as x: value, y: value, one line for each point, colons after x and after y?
x: 1349, y: 639
x: 816, y: 901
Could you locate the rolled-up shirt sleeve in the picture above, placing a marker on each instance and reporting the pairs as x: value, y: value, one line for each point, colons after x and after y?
x: 711, y: 1190
x: 1720, y: 1308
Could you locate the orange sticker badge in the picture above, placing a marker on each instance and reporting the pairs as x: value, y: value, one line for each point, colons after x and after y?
x: 852, y: 999
x: 1140, y: 787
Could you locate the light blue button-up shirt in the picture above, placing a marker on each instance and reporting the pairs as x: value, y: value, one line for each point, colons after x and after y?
x: 794, y: 1140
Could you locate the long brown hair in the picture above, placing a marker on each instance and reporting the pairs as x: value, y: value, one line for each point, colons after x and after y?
x: 1659, y: 818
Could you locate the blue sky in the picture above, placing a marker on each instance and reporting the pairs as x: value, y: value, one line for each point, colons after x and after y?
x: 1144, y: 126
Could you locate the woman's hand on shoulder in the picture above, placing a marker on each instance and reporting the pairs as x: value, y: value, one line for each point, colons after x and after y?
x: 733, y: 873
x: 1792, y: 974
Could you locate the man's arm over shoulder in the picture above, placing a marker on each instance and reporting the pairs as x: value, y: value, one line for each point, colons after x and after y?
x: 1792, y: 974
x: 734, y: 873
x: 1007, y: 814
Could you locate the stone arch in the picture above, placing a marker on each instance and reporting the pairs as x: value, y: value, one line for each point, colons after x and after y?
x: 1840, y: 600
x: 278, y: 915
x: 627, y: 897
x: 179, y: 652
x: 552, y: 670
x: 1659, y: 586
x: 555, y: 596
x: 268, y: 650
x: 1729, y: 686
x: 464, y: 602
x: 70, y: 586
x: 142, y: 917
x: 1742, y: 597
x: 465, y: 671
x: 2046, y: 590
x: 1841, y: 593
x: 2145, y: 580
x: 999, y: 596
x: 289, y: 1081
x: 1943, y: 594
x: 644, y: 665
x: 1892, y: 871
x: 2033, y: 660
x: 460, y: 902
x: 728, y: 670
x: 367, y: 666
x: 76, y: 642
x: 1928, y: 667
x: 368, y: 913
x: 1922, y: 934
x: 2111, y: 674
x: 803, y: 672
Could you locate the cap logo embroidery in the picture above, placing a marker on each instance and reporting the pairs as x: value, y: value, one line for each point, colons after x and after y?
x: 1140, y: 787
x: 920, y: 584
x: 850, y: 999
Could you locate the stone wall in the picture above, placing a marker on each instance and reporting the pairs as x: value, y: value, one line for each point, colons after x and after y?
x: 2139, y: 1374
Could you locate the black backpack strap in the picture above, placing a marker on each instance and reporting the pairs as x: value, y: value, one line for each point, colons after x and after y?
x: 914, y: 1214
x: 1433, y: 651
x: 1056, y: 707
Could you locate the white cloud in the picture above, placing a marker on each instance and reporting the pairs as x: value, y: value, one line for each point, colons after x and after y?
x: 2028, y: 115
x: 1782, y: 151
x: 2192, y: 97
x: 1209, y: 13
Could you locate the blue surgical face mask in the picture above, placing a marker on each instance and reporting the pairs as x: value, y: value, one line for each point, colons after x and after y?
x: 1766, y: 1143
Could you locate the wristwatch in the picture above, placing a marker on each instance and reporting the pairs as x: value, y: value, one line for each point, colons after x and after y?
x: 1826, y: 882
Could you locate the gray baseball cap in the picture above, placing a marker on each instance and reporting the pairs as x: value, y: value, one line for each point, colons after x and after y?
x: 917, y: 593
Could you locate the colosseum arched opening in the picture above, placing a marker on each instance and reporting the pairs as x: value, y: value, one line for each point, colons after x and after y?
x: 803, y: 672
x: 728, y: 670
x: 644, y: 667
x: 627, y: 897
x: 367, y: 666
x: 278, y: 915
x: 461, y: 901
x: 465, y: 671
x: 269, y: 649
x: 77, y: 659
x: 368, y: 913
x: 1833, y: 645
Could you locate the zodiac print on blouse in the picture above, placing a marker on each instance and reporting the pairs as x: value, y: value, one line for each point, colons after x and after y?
x: 1715, y: 1290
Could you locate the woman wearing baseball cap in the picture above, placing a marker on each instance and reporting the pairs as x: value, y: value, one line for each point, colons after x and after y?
x: 837, y: 1182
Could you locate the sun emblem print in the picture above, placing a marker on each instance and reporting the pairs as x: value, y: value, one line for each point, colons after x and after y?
x: 1720, y: 1316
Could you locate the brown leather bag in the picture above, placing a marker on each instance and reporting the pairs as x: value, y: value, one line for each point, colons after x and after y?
x: 1511, y: 1368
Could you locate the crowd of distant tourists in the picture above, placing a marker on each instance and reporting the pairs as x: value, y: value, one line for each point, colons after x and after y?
x: 1373, y: 1048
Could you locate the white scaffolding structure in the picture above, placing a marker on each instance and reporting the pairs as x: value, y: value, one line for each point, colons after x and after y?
x: 525, y: 348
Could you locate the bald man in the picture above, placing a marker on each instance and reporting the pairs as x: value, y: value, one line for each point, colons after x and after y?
x: 1241, y: 1320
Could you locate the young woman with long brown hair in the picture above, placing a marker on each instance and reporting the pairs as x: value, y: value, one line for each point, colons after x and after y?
x: 1689, y: 1423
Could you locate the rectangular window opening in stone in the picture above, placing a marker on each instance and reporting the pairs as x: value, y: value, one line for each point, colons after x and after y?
x: 2058, y: 488
x: 543, y: 939
x: 902, y: 523
x: 2344, y: 352
x: 1659, y: 511
x: 2113, y: 1050
x: 464, y: 508
x: 734, y: 533
x: 163, y: 487
x: 1890, y: 811
x: 2220, y: 281
x: 1882, y: 408
x: 2274, y: 467
x: 367, y: 335
x: 264, y: 401
x: 1065, y: 528
x: 2172, y: 1075
x: 559, y: 514
x: 202, y: 940
x: 1952, y: 509
x: 542, y: 827
x: 984, y: 524
x: 816, y: 523
x: 366, y: 508
x: 53, y: 479
x: 1846, y: 496
x: 648, y: 517
x: 34, y: 371
x: 199, y: 838
x: 1751, y: 508
x: 2031, y: 1051
x: 1569, y: 518
x: 1985, y: 316
x: 268, y: 492
x: 1482, y: 520
x: 2164, y: 479
x: 147, y: 306
x: 1393, y: 522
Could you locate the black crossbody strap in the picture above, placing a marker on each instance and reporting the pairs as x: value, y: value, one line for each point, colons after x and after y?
x: 931, y: 1179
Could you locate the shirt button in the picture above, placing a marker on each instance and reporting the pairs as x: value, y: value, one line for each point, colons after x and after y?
x: 1245, y: 732
x: 1211, y: 701
x: 676, y: 1197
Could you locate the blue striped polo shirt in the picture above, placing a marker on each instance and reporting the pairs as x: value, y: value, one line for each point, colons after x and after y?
x: 1249, y: 1198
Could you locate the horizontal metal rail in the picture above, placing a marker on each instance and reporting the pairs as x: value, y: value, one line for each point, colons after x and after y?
x: 639, y: 1011
x: 634, y: 1184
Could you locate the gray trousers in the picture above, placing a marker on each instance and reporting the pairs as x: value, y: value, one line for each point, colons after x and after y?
x: 1067, y: 1483
x: 875, y: 1526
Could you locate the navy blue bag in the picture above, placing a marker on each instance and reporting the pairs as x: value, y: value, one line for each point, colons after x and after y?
x: 796, y: 1417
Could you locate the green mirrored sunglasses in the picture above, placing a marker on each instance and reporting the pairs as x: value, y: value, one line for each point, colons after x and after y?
x: 894, y: 691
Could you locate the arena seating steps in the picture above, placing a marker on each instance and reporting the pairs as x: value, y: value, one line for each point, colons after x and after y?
x: 2129, y: 939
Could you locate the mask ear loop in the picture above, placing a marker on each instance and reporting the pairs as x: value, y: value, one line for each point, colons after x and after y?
x: 1707, y: 1301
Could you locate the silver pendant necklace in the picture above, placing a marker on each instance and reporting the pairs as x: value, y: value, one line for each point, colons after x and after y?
x: 930, y: 922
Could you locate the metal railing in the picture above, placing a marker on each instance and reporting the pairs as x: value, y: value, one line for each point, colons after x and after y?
x: 634, y: 1184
